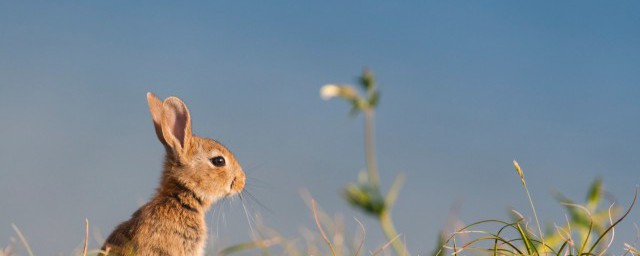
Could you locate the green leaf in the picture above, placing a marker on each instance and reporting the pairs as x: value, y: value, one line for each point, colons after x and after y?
x: 392, y: 195
x: 595, y: 194
x: 577, y: 216
x: 366, y: 80
x: 525, y: 239
x: 374, y: 99
x: 355, y: 108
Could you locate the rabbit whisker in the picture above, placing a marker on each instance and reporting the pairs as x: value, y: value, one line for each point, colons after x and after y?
x: 252, y: 197
x: 252, y: 217
x: 222, y: 211
x: 252, y: 166
x: 246, y: 214
x: 212, y: 223
x: 256, y: 181
x: 220, y: 214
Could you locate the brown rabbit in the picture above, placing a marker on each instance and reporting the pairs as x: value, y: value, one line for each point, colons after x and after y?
x: 197, y: 172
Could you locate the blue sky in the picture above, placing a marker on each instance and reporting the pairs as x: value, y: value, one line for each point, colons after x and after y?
x: 467, y: 86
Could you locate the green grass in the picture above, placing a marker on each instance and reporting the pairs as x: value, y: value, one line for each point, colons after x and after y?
x: 583, y: 234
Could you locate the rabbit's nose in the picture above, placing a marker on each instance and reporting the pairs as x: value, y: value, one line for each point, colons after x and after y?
x: 238, y: 182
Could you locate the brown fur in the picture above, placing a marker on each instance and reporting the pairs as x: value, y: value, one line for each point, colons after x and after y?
x: 173, y: 221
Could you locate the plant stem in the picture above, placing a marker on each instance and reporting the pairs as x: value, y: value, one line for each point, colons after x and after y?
x: 369, y: 148
x: 385, y: 216
x: 390, y: 231
x: 535, y: 215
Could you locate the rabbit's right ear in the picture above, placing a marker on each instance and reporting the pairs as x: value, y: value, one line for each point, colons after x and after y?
x: 155, y: 107
x: 176, y: 127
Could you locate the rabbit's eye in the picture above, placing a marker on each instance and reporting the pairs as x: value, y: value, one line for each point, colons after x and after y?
x: 218, y: 161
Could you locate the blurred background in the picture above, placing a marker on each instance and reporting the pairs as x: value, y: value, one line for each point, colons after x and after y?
x: 466, y: 87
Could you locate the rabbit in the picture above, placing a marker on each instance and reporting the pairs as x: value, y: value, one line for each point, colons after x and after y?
x: 197, y: 172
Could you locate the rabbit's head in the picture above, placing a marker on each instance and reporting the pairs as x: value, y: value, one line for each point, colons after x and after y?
x: 199, y: 164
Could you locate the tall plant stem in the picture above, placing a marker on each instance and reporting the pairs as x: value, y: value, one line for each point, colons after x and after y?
x: 535, y: 215
x: 385, y: 216
x: 390, y: 232
x: 369, y: 148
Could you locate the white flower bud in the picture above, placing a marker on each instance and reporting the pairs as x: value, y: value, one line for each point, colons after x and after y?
x: 329, y: 91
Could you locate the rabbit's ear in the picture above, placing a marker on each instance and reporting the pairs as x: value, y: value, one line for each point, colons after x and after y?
x: 155, y: 107
x: 176, y: 126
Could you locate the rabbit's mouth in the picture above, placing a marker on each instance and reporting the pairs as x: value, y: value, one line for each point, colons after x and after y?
x: 236, y: 185
x: 233, y: 182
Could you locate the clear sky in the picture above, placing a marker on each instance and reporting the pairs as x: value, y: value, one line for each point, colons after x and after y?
x: 467, y: 86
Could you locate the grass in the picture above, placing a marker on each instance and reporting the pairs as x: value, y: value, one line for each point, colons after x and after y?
x: 588, y: 231
x: 515, y: 238
x: 589, y: 228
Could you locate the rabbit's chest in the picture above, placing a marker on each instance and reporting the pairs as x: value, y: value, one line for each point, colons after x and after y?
x: 176, y: 240
x: 173, y: 234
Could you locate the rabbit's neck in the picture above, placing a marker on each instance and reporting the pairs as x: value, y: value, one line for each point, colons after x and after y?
x: 173, y: 222
x: 178, y: 195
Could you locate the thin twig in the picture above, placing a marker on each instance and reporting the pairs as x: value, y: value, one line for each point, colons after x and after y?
x: 324, y: 236
x: 22, y: 239
x: 86, y: 237
x: 385, y: 246
x: 364, y: 234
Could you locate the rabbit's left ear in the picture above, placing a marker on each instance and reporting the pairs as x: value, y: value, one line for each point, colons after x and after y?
x: 176, y: 126
x: 155, y: 107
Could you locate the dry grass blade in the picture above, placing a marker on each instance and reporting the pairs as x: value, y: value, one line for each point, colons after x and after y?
x: 613, y: 233
x: 364, y: 234
x: 250, y: 245
x: 588, y: 233
x: 455, y: 248
x: 630, y: 249
x: 633, y: 202
x: 22, y: 239
x: 384, y: 246
x: 324, y: 236
x: 86, y: 237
